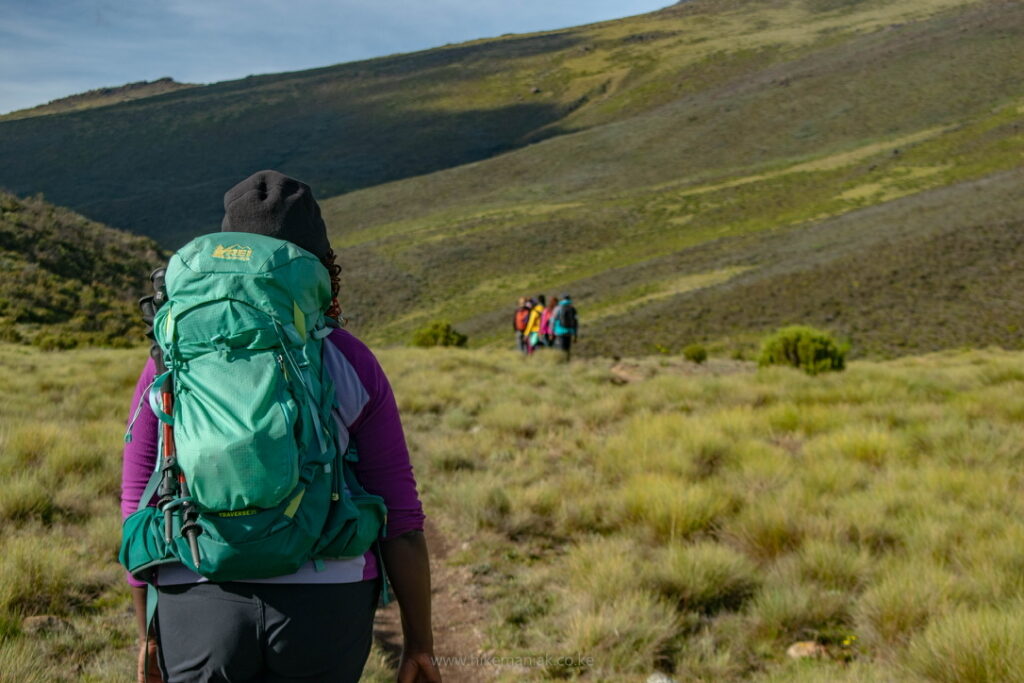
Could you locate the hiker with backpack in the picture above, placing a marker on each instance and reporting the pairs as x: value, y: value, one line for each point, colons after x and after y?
x: 519, y: 320
x: 264, y: 455
x: 566, y: 325
x: 547, y: 322
x: 532, y: 331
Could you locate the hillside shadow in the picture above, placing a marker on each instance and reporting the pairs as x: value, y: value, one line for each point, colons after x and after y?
x: 160, y: 166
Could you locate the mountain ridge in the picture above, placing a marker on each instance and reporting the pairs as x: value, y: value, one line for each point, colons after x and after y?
x: 644, y: 148
x: 100, y: 97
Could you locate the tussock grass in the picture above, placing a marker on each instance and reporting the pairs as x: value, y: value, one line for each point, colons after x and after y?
x: 669, y: 509
x: 695, y: 524
x: 512, y: 417
x: 44, y: 580
x: 630, y: 628
x: 971, y: 645
x: 816, y: 672
x: 869, y: 445
x: 766, y: 530
x: 27, y: 498
x: 836, y: 566
x: 21, y: 661
x: 62, y: 416
x: 672, y: 444
x: 902, y: 602
x: 606, y: 565
x: 710, y: 655
x: 804, y: 420
x: 713, y: 519
x: 788, y: 612
x: 705, y: 577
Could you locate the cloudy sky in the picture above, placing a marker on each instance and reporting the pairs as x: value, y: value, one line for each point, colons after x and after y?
x: 53, y: 48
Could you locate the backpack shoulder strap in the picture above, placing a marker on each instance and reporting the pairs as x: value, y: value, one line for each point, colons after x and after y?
x: 151, y: 487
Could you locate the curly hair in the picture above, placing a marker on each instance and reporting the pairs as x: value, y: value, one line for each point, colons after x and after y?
x: 334, y: 270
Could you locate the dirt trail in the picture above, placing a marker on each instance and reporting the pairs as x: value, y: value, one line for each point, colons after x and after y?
x: 629, y: 371
x: 458, y: 615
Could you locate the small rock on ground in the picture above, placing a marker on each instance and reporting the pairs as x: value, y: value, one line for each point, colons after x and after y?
x: 659, y: 677
x: 806, y: 649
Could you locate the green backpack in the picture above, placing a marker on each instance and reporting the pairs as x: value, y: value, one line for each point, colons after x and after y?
x: 253, y: 478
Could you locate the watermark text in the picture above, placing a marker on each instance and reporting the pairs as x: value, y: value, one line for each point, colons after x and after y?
x: 577, y: 661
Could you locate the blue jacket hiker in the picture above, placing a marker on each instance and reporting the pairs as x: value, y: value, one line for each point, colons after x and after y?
x: 565, y: 324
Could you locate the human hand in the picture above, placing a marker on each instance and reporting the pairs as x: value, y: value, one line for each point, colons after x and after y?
x: 418, y: 667
x: 148, y: 653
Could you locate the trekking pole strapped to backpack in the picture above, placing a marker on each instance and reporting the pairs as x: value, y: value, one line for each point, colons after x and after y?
x: 172, y: 482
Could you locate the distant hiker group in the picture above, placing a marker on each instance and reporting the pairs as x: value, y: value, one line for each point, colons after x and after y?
x: 545, y: 323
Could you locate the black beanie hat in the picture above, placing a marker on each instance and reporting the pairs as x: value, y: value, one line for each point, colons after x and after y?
x: 271, y: 203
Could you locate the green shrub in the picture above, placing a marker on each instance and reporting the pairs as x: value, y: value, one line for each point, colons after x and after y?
x: 803, y: 347
x: 55, y: 342
x: 695, y: 353
x: 439, y: 333
x: 8, y: 333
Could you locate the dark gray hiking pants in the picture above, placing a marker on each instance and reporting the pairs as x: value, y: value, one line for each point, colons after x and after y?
x: 242, y: 632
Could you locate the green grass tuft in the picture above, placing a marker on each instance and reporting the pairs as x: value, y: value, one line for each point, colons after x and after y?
x: 705, y: 577
x: 981, y: 645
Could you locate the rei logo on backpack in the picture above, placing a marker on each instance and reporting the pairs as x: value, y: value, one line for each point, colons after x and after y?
x: 253, y: 475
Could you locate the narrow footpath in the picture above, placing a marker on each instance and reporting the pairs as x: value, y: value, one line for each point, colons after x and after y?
x: 458, y: 614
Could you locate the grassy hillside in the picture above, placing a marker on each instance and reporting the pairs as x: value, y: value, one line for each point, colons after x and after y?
x: 646, y: 515
x: 167, y: 160
x: 65, y: 280
x: 740, y: 206
x: 654, y: 515
x: 705, y: 172
x: 100, y: 97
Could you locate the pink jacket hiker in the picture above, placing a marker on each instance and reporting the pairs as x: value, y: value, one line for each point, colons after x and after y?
x: 545, y: 321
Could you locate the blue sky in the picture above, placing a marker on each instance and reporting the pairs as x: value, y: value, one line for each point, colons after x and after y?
x: 54, y: 48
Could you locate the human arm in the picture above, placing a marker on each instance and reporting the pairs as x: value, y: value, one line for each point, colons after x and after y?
x: 367, y: 406
x: 408, y: 567
x: 147, y: 666
x: 139, y: 459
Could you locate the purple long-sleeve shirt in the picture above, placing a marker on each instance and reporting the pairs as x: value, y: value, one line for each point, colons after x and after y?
x: 367, y: 414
